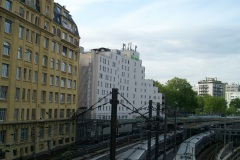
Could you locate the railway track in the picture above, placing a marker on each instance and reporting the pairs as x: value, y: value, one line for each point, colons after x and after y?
x: 83, y: 152
x: 210, y: 152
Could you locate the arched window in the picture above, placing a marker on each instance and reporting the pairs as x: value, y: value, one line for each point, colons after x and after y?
x: 52, y: 63
x: 6, y: 48
x: 19, y: 52
x: 57, y: 64
x: 44, y: 61
x: 69, y: 68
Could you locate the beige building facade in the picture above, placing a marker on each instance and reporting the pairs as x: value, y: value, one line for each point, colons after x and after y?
x: 39, y: 46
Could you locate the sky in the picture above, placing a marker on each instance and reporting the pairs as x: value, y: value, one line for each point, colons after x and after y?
x: 189, y: 39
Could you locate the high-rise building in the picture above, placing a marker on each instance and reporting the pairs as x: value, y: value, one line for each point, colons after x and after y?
x: 101, y: 70
x: 39, y: 44
x: 211, y: 86
x: 232, y: 92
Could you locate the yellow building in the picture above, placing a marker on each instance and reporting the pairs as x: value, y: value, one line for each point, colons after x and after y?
x: 39, y: 46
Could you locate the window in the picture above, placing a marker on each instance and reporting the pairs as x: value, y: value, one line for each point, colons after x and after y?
x: 35, y: 76
x: 56, y: 97
x: 51, y: 80
x: 45, y: 42
x: 50, y: 117
x: 57, y: 81
x: 16, y: 114
x: 18, y: 74
x: 27, y: 15
x: 58, y: 48
x: 50, y: 96
x: 8, y: 25
x: 57, y: 65
x: 68, y: 98
x: 58, y: 33
x: 61, y: 114
x: 69, y: 83
x: 28, y: 55
x: 53, y: 46
x: 63, y: 81
x: 36, y: 58
x: 43, y: 96
x: 37, y: 21
x: 53, y: 30
x: 24, y: 134
x: 34, y: 95
x: 3, y: 92
x: 2, y: 138
x: 19, y: 54
x: 20, y: 33
x: 64, y: 35
x: 6, y: 48
x: 31, y: 36
x: 2, y: 113
x: 22, y: 114
x: 37, y: 39
x: 52, y: 63
x: 44, y: 77
x: 75, y: 70
x: 64, y: 51
x: 8, y: 5
x: 5, y: 70
x: 23, y: 94
x: 70, y: 54
x: 17, y: 94
x: 44, y: 61
x: 21, y: 12
x: 27, y: 34
x: 40, y: 132
x: 63, y: 66
x: 47, y: 10
x: 70, y: 68
x: 70, y: 39
x: 29, y: 74
x: 33, y: 114
x: 74, y: 84
x: 15, y: 133
x: 62, y: 97
x: 46, y: 25
x: 75, y: 56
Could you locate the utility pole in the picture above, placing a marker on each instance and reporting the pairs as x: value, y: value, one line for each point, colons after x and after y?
x: 157, y: 131
x: 114, y: 103
x: 165, y: 133
x: 175, y: 129
x: 149, y: 132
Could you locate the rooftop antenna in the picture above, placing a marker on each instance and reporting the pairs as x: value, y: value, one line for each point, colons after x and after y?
x: 124, y: 46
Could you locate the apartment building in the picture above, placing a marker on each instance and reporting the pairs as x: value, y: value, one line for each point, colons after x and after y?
x: 102, y: 69
x: 211, y: 86
x: 232, y: 92
x: 39, y: 44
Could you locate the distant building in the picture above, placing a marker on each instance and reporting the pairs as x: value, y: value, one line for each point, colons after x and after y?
x: 232, y: 92
x: 102, y: 69
x: 211, y: 86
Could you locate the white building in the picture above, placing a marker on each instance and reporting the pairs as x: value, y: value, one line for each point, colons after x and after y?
x: 232, y: 92
x: 103, y: 69
x: 212, y: 87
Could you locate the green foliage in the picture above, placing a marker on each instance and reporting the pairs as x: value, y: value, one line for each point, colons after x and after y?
x: 214, y: 105
x: 178, y: 93
x: 235, y: 103
x: 231, y: 110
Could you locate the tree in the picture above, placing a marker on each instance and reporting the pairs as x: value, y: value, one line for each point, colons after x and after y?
x: 214, y: 105
x: 179, y: 94
x: 235, y: 103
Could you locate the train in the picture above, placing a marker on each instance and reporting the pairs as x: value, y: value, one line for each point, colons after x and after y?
x: 191, y: 147
x: 140, y: 150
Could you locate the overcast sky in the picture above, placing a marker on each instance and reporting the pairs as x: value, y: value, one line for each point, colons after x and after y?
x: 190, y: 39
